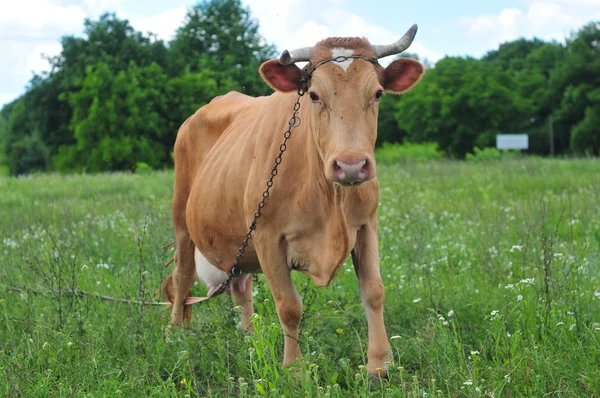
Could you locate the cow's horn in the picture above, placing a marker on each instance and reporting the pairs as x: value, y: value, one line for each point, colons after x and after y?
x: 299, y: 55
x: 397, y: 47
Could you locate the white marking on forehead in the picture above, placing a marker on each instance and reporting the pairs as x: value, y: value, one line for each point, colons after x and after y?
x: 342, y: 52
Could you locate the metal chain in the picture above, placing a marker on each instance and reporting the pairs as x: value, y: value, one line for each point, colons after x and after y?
x: 292, y: 123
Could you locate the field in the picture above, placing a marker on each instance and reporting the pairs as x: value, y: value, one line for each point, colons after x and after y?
x: 492, y: 275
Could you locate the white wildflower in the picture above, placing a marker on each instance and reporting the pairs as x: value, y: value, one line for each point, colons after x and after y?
x: 520, y: 297
x: 474, y: 352
x: 528, y: 281
x: 516, y: 247
x: 468, y: 383
x: 450, y: 313
x: 10, y: 243
x: 417, y: 300
x: 69, y: 344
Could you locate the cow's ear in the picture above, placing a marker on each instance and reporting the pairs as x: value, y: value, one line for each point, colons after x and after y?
x: 281, y: 77
x: 402, y: 74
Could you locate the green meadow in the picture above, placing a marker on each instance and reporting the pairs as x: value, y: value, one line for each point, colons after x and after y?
x: 492, y: 275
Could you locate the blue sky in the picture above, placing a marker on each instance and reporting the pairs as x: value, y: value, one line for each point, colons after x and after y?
x: 460, y: 27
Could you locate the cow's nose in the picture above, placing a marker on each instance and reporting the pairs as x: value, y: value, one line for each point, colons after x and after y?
x: 351, y: 173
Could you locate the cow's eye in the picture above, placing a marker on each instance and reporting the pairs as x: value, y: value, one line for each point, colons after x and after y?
x: 313, y: 96
x: 378, y: 94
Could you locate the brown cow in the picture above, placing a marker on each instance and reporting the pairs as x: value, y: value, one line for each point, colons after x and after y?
x: 323, y: 205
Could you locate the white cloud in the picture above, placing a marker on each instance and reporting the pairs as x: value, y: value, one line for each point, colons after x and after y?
x: 321, y: 19
x: 36, y: 60
x: 585, y: 3
x: 30, y: 28
x: 163, y: 25
x: 95, y: 8
x: 6, y: 97
x: 38, y: 18
x: 545, y: 19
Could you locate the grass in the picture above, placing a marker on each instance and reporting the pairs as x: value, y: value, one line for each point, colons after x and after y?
x: 491, y: 274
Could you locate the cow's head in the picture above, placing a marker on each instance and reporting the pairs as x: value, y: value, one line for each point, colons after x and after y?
x: 344, y: 96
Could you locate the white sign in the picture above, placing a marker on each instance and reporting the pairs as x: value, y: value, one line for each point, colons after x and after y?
x: 512, y: 141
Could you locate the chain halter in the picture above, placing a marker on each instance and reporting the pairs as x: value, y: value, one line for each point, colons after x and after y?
x: 294, y: 122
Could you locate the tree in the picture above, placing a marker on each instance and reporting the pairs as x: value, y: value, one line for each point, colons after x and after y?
x: 388, y: 126
x: 220, y: 35
x: 462, y: 103
x: 24, y: 147
x: 576, y: 82
x: 117, y: 120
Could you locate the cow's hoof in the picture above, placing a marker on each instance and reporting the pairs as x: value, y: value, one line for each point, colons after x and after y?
x: 170, y: 332
x: 375, y: 382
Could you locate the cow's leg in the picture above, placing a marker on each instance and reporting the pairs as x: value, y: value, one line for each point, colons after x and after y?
x: 241, y: 293
x: 177, y: 286
x: 365, y: 257
x: 287, y: 301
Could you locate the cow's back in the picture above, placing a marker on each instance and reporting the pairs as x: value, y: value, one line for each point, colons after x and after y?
x: 198, y: 134
x: 195, y: 139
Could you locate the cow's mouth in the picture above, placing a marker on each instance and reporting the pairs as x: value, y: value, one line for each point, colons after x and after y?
x: 350, y: 183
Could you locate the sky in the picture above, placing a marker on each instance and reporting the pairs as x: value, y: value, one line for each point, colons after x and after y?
x: 30, y: 28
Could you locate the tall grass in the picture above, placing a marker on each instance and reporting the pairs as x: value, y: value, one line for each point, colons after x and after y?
x: 491, y: 274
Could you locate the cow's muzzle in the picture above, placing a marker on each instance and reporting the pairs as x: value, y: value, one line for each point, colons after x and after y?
x: 351, y: 172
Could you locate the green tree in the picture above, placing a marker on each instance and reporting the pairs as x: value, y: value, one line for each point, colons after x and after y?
x: 45, y: 127
x: 388, y: 126
x: 117, y: 120
x: 530, y: 63
x: 24, y: 148
x: 576, y: 82
x: 462, y: 103
x: 186, y: 93
x: 221, y: 35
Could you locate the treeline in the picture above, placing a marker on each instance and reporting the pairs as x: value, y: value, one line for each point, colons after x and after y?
x: 116, y: 97
x: 544, y: 89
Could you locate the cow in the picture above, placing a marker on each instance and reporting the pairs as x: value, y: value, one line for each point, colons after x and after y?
x: 322, y: 207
